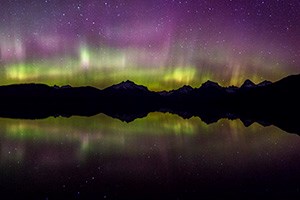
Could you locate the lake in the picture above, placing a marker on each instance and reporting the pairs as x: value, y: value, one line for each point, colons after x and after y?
x: 161, y: 155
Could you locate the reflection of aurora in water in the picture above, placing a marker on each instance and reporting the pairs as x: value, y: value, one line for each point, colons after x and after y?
x: 155, y: 134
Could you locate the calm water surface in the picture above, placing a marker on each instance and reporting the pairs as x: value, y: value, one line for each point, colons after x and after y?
x: 161, y: 155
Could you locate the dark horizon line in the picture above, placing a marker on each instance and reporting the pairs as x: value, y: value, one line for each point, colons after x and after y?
x: 266, y: 103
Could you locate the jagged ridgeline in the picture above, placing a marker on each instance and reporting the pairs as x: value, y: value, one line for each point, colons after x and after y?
x: 267, y: 103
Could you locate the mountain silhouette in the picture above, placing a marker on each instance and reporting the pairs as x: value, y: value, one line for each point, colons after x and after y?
x: 128, y: 86
x: 266, y: 103
x: 248, y: 84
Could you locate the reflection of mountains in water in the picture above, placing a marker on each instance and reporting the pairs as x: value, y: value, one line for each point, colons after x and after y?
x: 266, y: 103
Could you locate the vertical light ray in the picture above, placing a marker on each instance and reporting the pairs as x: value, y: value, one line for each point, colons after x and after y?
x: 84, y: 56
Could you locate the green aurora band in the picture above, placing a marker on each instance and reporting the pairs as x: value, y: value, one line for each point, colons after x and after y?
x: 102, y: 67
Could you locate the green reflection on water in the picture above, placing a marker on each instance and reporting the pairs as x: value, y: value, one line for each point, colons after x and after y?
x: 51, y: 128
x: 158, y: 133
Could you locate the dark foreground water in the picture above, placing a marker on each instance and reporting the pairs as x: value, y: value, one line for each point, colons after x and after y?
x: 159, y: 156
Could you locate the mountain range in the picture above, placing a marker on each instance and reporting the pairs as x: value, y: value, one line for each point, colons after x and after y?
x: 266, y: 103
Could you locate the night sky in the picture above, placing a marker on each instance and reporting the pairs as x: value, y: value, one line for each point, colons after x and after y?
x: 162, y: 44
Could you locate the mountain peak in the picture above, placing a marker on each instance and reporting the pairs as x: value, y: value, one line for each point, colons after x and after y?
x: 128, y: 85
x: 210, y: 84
x: 248, y: 84
x: 185, y: 88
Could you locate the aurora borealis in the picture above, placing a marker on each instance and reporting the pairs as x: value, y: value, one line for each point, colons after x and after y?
x: 162, y: 44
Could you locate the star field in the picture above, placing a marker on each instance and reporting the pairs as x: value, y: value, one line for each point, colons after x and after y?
x: 161, y: 43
